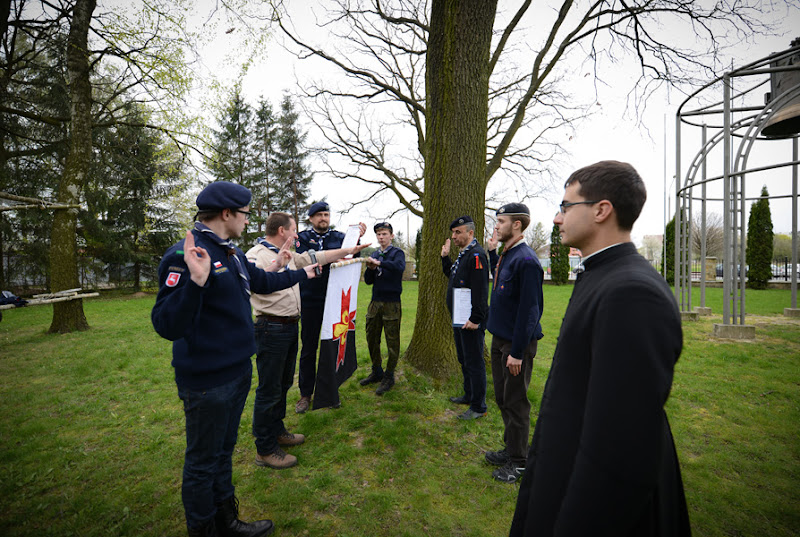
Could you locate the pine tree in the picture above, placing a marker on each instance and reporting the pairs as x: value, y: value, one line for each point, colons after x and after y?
x: 295, y: 177
x: 759, y: 243
x: 559, y: 258
x: 267, y: 196
x: 668, y: 265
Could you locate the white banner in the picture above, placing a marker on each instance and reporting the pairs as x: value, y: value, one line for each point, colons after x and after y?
x: 341, y: 300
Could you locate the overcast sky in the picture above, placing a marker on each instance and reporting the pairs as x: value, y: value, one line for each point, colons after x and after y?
x: 609, y: 134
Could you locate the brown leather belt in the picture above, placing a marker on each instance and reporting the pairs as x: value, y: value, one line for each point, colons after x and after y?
x: 279, y: 319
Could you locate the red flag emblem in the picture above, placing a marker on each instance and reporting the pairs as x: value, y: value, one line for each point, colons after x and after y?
x: 340, y: 329
x: 173, y: 278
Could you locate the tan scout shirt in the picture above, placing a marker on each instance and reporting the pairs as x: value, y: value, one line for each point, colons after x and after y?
x: 284, y: 303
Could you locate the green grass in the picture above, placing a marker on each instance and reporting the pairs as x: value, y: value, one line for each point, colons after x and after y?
x: 91, y: 435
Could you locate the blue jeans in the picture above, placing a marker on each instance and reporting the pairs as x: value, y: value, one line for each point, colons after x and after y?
x: 276, y: 354
x: 469, y: 349
x: 212, y: 424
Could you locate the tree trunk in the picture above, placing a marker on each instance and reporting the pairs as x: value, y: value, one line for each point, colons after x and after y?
x: 457, y: 97
x: 68, y: 316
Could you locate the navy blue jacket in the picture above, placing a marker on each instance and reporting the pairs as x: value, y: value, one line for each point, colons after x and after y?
x: 472, y: 273
x: 517, y: 301
x: 211, y: 327
x: 387, y: 280
x: 313, y: 291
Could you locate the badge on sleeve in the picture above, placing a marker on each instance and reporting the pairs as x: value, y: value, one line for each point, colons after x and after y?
x: 217, y: 264
x: 173, y: 278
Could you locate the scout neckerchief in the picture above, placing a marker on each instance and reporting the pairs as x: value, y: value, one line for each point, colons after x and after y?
x: 263, y: 242
x: 381, y: 253
x: 506, y: 248
x: 320, y: 238
x: 231, y: 250
x: 460, y: 255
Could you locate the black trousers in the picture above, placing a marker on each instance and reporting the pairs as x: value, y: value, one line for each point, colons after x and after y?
x: 310, y: 326
x: 511, y: 395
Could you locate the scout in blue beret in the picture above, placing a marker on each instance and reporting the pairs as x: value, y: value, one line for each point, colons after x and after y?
x: 515, y: 311
x: 318, y: 207
x: 469, y: 274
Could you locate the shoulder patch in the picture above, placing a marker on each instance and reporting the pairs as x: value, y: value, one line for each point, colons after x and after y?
x: 172, y: 279
x: 173, y: 268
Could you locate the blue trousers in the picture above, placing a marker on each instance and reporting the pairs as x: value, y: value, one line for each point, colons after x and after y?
x: 276, y: 355
x: 212, y: 425
x: 469, y: 349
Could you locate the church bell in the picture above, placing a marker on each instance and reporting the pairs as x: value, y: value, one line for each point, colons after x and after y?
x: 786, y: 121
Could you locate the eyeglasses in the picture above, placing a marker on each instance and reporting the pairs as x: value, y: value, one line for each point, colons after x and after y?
x: 245, y: 213
x: 565, y: 204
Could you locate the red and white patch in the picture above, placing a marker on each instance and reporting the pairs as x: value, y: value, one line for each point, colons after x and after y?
x: 173, y: 278
x: 217, y: 264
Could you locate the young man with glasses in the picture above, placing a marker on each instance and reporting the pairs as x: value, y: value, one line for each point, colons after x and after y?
x: 602, y: 460
x: 203, y: 307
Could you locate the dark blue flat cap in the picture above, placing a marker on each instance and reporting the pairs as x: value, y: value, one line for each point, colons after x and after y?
x: 460, y: 221
x: 514, y: 209
x: 317, y: 207
x: 383, y: 225
x: 223, y: 195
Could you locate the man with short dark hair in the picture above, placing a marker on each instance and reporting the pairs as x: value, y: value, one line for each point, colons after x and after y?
x: 471, y: 272
x: 514, y: 315
x: 312, y: 295
x: 602, y: 460
x: 385, y: 274
x: 277, y: 315
x: 203, y: 307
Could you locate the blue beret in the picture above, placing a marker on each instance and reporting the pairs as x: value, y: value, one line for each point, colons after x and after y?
x: 460, y: 221
x: 514, y: 209
x: 317, y: 207
x: 383, y: 225
x: 223, y: 195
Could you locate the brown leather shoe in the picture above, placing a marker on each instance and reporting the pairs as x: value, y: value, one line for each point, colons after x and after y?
x: 291, y: 439
x: 278, y: 459
x: 302, y: 405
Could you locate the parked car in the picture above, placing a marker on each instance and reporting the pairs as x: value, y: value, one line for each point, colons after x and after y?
x: 720, y: 271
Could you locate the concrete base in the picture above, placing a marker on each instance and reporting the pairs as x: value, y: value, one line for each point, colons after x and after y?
x: 791, y: 312
x: 734, y: 331
x: 702, y: 311
x: 688, y: 316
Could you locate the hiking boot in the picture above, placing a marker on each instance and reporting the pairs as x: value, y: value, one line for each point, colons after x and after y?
x: 291, y: 439
x: 375, y: 376
x: 302, y: 405
x: 278, y: 459
x: 460, y: 400
x: 470, y: 414
x: 498, y: 458
x: 209, y: 529
x: 386, y: 383
x: 229, y: 525
x: 511, y: 472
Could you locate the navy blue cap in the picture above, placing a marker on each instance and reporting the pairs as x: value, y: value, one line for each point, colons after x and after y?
x: 223, y: 195
x: 317, y: 207
x: 383, y: 225
x: 514, y: 209
x: 460, y: 221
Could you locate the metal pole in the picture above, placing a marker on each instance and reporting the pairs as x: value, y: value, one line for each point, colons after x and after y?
x: 794, y: 223
x: 677, y: 247
x: 703, y: 223
x: 726, y: 204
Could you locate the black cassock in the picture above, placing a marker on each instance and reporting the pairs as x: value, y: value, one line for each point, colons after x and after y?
x: 602, y: 461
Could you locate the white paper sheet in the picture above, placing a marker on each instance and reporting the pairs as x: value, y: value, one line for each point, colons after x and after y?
x: 462, y: 305
x: 351, y: 237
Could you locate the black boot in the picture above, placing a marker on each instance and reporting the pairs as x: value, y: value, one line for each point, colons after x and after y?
x: 229, y: 525
x: 207, y: 530
x: 375, y: 376
x: 386, y: 383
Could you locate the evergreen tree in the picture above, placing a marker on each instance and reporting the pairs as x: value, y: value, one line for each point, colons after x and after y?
x: 267, y: 196
x: 559, y: 258
x: 295, y: 177
x: 668, y: 265
x: 759, y: 243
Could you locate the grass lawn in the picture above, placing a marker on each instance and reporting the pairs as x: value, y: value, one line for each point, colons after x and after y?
x: 91, y: 435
